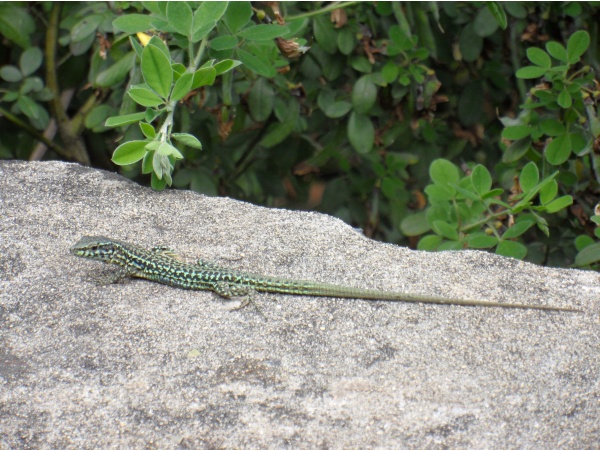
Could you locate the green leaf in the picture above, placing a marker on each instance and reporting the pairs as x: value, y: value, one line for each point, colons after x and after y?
x: 144, y: 96
x: 577, y: 44
x: 204, y: 77
x: 152, y: 114
x: 205, y: 18
x: 415, y: 224
x: 280, y: 131
x: 539, y: 57
x: 511, y: 249
x: 516, y: 132
x: 429, y: 243
x: 129, y: 153
x: 401, y: 39
x: 179, y: 15
x: 96, y: 118
x: 187, y: 139
x: 558, y: 204
x: 485, y: 24
x: 516, y: 150
x: 35, y: 84
x: 29, y: 107
x: 86, y: 27
x: 133, y: 23
x: 526, y: 200
x: 157, y: 184
x: 498, y: 12
x: 464, y: 192
x: 159, y: 44
x: 589, y: 255
x: 579, y: 145
x: 390, y: 71
x: 559, y: 150
x: 153, y: 145
x: 148, y: 130
x: 10, y: 73
x: 518, y: 229
x: 167, y: 149
x: 557, y: 51
x: 364, y: 95
x: 147, y: 162
x: 330, y: 107
x: 481, y: 240
x: 178, y: 70
x: 81, y: 47
x: 548, y: 192
x: 361, y: 133
x: 443, y: 172
x: 530, y: 72
x: 445, y: 229
x: 137, y: 47
x: 127, y: 119
x: 552, y: 127
x: 202, y: 31
x: 182, y: 86
x: 225, y: 66
x: 160, y: 164
x: 16, y: 24
x: 157, y: 71
x: 470, y: 43
x: 224, y: 42
x: 582, y: 241
x: 481, y: 179
x: 255, y: 64
x: 530, y: 176
x: 30, y: 61
x: 324, y: 33
x: 438, y: 193
x: 237, y: 15
x: 492, y: 193
x: 346, y: 41
x: 564, y: 99
x: 261, y: 100
x: 116, y: 73
x: 263, y: 32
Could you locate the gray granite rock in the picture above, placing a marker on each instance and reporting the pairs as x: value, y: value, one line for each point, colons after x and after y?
x: 142, y: 365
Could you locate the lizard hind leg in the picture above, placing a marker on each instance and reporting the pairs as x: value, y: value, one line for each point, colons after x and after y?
x: 231, y: 290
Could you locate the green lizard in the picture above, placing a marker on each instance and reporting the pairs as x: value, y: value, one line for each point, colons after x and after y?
x: 160, y: 265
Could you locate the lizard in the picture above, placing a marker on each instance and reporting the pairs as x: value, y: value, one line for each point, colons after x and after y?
x: 161, y: 265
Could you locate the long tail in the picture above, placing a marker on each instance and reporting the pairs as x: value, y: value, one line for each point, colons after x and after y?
x: 294, y: 287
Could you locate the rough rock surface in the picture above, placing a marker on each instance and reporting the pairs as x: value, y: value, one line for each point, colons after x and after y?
x: 142, y: 365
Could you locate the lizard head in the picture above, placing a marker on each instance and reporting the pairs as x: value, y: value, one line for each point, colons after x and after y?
x: 95, y: 247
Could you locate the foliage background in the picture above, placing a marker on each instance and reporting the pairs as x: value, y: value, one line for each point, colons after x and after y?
x: 407, y: 120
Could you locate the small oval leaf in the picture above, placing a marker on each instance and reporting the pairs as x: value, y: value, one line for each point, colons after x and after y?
x: 129, y: 152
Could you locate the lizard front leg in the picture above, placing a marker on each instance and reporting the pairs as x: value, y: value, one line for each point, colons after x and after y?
x: 112, y: 277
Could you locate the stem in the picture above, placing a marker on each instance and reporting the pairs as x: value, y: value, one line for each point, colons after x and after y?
x: 199, y: 54
x: 244, y: 162
x: 74, y: 146
x: 333, y: 6
x: 515, y: 63
x: 34, y: 133
x: 484, y: 221
x: 165, y: 129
